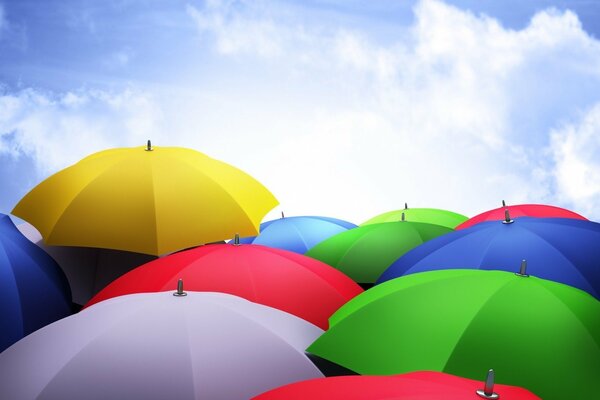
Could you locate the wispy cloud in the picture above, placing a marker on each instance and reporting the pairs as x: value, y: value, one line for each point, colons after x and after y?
x: 455, y: 111
x: 57, y: 130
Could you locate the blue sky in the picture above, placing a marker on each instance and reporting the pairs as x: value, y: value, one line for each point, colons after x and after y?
x: 341, y: 108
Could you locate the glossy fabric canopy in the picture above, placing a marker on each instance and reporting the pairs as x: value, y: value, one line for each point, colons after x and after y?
x: 277, y: 278
x: 560, y: 249
x: 151, y: 202
x: 535, y: 333
x: 157, y: 346
x: 422, y: 385
x: 33, y: 290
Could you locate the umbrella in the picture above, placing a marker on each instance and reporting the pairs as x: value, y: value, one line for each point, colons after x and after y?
x: 277, y: 278
x: 520, y: 210
x: 428, y: 215
x: 152, y: 200
x: 560, y: 249
x: 33, y: 290
x: 160, y: 346
x: 88, y: 269
x: 536, y: 333
x: 297, y: 234
x: 363, y: 253
x: 421, y: 385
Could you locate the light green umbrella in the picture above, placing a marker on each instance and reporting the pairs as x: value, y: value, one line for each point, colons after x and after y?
x: 534, y: 333
x: 363, y: 253
x: 428, y: 215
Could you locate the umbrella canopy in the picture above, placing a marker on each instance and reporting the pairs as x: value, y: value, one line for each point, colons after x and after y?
x: 421, y: 385
x: 520, y: 210
x: 298, y: 234
x: 33, y: 290
x: 363, y: 253
x: 560, y: 249
x: 465, y: 321
x: 277, y: 278
x: 435, y: 216
x: 145, y: 200
x: 159, y: 346
x: 88, y: 269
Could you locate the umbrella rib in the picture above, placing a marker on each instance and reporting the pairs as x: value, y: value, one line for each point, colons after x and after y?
x: 573, y: 268
x: 295, y: 228
x: 489, y: 299
x: 235, y: 202
x: 272, y: 333
x: 107, y: 327
x: 595, y: 339
x: 64, y: 209
x: 12, y: 273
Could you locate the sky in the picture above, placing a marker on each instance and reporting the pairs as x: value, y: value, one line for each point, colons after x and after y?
x: 344, y: 109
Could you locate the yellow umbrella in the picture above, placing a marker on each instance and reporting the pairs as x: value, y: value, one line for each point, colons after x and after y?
x: 152, y: 200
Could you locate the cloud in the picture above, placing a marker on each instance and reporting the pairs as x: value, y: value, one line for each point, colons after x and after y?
x: 58, y: 130
x: 454, y: 111
x: 575, y: 149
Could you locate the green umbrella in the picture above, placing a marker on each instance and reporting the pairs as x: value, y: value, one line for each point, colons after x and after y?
x: 363, y: 253
x: 534, y: 333
x: 428, y: 215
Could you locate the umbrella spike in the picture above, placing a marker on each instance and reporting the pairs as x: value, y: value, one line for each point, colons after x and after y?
x: 282, y: 215
x: 503, y: 204
x: 507, y: 219
x: 149, y: 145
x: 406, y: 206
x: 488, y: 388
x: 180, y: 292
x: 523, y: 270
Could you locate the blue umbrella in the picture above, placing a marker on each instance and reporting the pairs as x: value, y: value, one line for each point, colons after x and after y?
x: 34, y: 291
x: 559, y: 249
x: 297, y: 234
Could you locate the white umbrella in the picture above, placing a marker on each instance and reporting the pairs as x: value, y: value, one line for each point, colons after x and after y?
x: 149, y: 346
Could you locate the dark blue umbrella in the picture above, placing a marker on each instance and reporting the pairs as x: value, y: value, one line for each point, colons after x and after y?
x: 559, y: 249
x: 297, y: 234
x: 34, y: 291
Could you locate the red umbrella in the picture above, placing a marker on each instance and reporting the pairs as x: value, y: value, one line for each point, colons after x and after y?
x: 277, y: 278
x: 520, y: 210
x: 423, y: 385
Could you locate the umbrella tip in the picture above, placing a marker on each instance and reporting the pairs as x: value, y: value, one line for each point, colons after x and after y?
x: 523, y: 270
x: 507, y: 219
x: 503, y: 203
x: 406, y: 206
x: 180, y: 292
x: 488, y: 388
x: 403, y: 217
x: 282, y: 215
x: 236, y: 239
x: 149, y: 145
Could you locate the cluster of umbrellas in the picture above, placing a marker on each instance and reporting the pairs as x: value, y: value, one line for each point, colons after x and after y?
x: 121, y: 285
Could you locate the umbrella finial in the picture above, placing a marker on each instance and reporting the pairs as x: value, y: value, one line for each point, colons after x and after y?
x: 149, y: 145
x: 503, y: 203
x: 507, y: 219
x: 523, y: 270
x: 180, y: 292
x: 403, y: 217
x: 488, y: 388
x: 282, y: 215
x: 406, y: 206
x: 236, y: 239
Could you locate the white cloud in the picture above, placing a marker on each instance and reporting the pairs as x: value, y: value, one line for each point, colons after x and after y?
x: 575, y: 149
x: 58, y: 130
x: 456, y: 112
x: 118, y: 59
